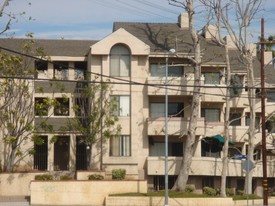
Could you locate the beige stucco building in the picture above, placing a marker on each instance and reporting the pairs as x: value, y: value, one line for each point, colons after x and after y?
x: 133, y: 58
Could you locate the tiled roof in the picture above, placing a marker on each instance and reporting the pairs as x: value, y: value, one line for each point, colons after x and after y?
x: 52, y: 47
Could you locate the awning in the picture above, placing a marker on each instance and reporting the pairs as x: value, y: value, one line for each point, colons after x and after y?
x: 220, y: 138
x: 216, y: 142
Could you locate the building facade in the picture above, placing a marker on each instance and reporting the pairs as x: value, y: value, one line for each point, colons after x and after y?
x: 133, y: 58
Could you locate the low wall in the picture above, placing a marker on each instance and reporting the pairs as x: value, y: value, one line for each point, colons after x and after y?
x: 16, y: 183
x: 156, y: 201
x: 80, y: 192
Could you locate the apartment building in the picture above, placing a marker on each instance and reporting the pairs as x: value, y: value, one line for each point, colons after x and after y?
x: 134, y: 57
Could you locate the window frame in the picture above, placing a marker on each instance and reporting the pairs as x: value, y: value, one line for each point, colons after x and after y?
x: 158, y: 70
x: 235, y: 119
x: 121, y: 111
x: 61, y: 70
x: 123, y: 144
x: 179, y: 112
x: 44, y: 107
x: 203, y: 110
x: 120, y: 61
x: 215, y: 80
x: 64, y: 108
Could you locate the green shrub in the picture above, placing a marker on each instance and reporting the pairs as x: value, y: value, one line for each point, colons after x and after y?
x: 95, y: 177
x: 44, y: 177
x: 240, y: 192
x: 118, y: 174
x: 229, y: 192
x: 209, y: 191
x: 66, y: 177
x: 189, y: 188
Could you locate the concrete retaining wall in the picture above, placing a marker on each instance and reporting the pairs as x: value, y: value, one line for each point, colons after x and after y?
x: 80, y: 192
x: 17, y: 184
x: 156, y: 201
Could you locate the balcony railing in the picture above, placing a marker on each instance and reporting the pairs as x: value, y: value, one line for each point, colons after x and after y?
x: 176, y: 125
x: 204, y: 166
x: 177, y: 85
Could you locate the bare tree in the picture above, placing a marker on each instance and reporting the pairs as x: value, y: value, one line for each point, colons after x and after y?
x: 3, y: 6
x: 196, y: 61
x: 244, y: 12
x: 10, y: 17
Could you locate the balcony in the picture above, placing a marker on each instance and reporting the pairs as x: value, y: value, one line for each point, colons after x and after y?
x: 204, y: 166
x: 213, y: 93
x: 176, y: 125
x: 177, y: 85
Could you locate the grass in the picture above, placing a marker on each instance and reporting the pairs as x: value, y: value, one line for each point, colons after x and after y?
x: 175, y: 194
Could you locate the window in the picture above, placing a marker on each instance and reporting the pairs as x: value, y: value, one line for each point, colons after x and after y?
x: 211, y: 77
x: 158, y: 70
x: 41, y: 106
x: 82, y: 107
x: 80, y: 70
x: 236, y: 86
x: 120, y: 146
x: 210, y: 114
x: 210, y: 149
x: 270, y: 96
x: 40, y: 158
x: 41, y: 66
x: 120, y: 61
x: 235, y: 119
x: 61, y: 70
x: 122, y: 105
x: 61, y: 153
x: 208, y: 181
x: 257, y: 119
x: 270, y: 126
x: 174, y: 109
x: 62, y: 107
x: 157, y: 148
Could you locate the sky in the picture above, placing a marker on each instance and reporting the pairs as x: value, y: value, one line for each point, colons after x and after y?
x: 93, y: 19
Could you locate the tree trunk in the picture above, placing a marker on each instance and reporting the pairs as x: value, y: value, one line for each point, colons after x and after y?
x: 226, y: 125
x: 251, y: 132
x: 191, y: 134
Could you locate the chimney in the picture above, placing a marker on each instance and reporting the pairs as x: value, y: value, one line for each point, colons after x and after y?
x: 211, y: 32
x: 183, y: 20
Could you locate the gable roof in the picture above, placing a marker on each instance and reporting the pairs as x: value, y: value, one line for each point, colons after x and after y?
x: 163, y: 36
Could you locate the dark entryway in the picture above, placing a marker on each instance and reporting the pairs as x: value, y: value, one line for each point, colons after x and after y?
x: 82, y: 151
x: 61, y: 153
x: 40, y: 157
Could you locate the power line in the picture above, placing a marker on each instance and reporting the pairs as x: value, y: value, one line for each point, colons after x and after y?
x: 122, y: 81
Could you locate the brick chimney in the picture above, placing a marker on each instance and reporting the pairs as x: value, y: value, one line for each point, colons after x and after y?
x: 183, y: 20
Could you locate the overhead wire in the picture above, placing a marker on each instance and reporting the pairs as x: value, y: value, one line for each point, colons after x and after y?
x: 122, y: 81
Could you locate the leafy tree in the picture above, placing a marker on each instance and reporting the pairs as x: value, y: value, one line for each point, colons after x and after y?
x: 16, y: 105
x: 95, y: 117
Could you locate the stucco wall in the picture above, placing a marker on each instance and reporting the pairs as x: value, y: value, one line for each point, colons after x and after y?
x: 80, y: 192
x: 156, y: 201
x: 16, y: 183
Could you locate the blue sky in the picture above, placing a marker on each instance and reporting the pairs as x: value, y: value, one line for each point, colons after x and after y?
x: 93, y: 19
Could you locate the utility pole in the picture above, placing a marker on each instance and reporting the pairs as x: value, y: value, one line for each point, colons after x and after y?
x: 265, y: 183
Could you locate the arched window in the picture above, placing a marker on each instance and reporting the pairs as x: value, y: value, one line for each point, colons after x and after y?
x: 120, y: 61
